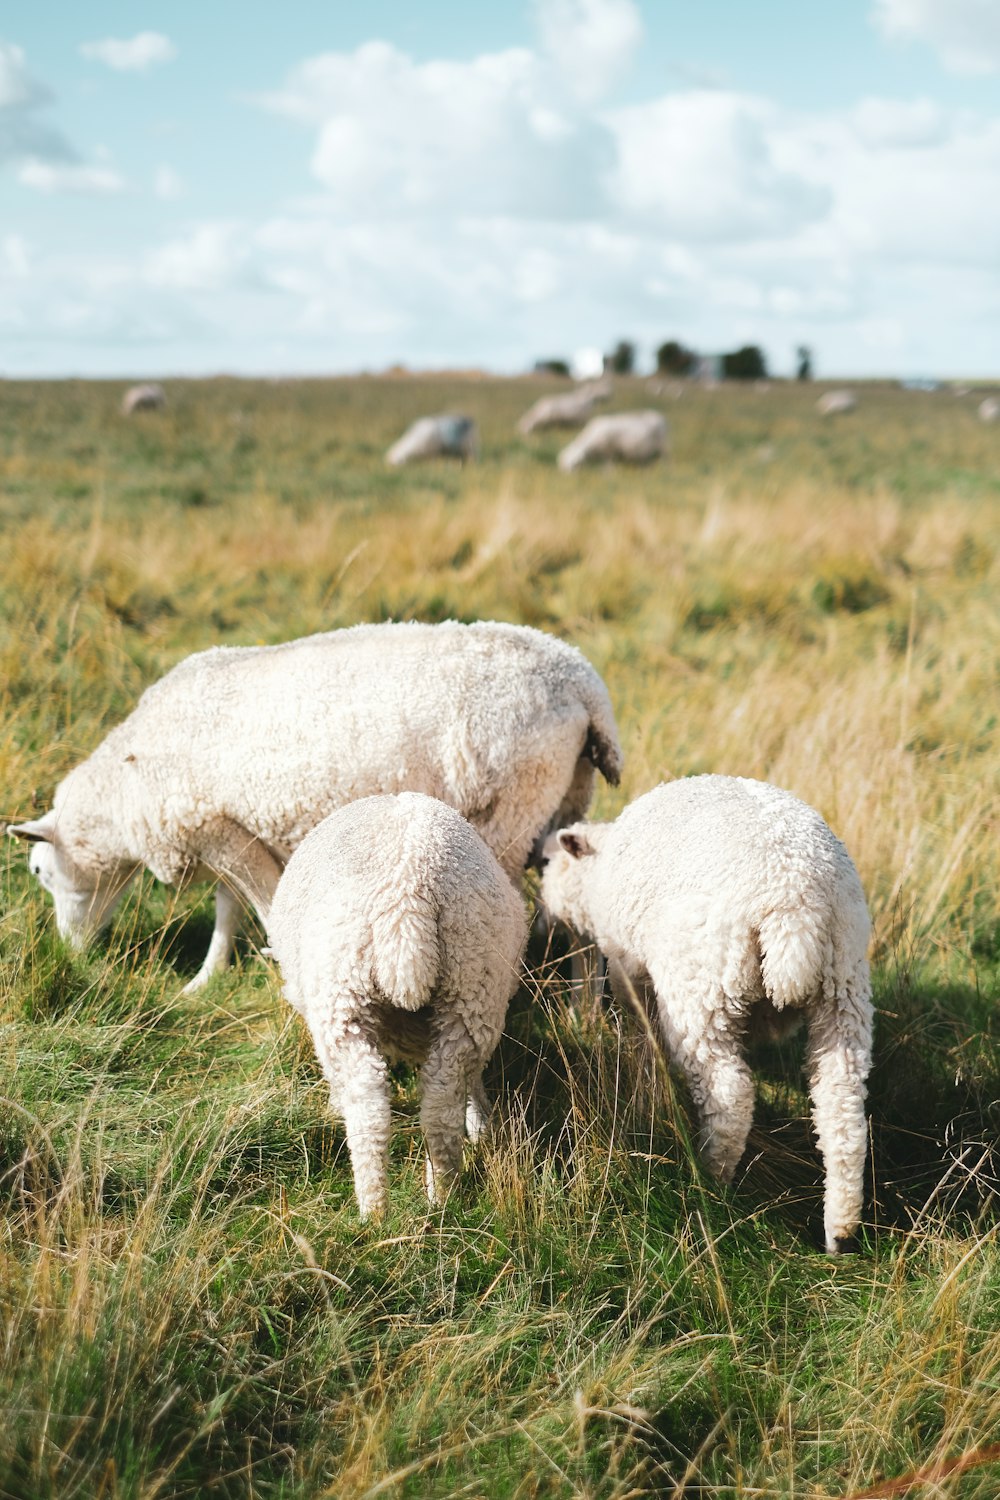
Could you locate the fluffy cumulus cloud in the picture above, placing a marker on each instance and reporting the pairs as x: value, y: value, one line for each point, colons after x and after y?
x: 701, y: 166
x: 131, y: 54
x: 965, y: 33
x: 591, y: 42
x: 494, y: 208
x: 491, y: 135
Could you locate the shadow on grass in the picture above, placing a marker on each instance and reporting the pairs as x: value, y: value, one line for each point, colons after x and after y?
x: 933, y: 1100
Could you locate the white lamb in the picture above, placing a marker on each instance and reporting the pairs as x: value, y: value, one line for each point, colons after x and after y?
x: 989, y: 410
x: 446, y: 436
x: 148, y: 397
x: 567, y: 409
x: 735, y: 903
x: 227, y: 762
x: 399, y: 937
x: 831, y: 403
x: 633, y: 436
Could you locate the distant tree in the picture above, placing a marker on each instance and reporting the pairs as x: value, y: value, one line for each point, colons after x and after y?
x: 673, y: 358
x: 804, y: 366
x: 747, y: 363
x: 551, y: 367
x: 621, y: 360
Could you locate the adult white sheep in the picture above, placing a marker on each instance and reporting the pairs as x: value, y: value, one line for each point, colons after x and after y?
x: 633, y: 436
x: 147, y: 397
x: 831, y: 403
x: 399, y: 937
x: 567, y: 409
x: 228, y: 761
x: 738, y: 906
x: 449, y: 435
x: 989, y: 410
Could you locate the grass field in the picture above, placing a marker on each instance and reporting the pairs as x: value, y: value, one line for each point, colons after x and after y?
x: 188, y: 1303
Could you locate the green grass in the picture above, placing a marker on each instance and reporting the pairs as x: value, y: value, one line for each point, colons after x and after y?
x: 188, y: 1303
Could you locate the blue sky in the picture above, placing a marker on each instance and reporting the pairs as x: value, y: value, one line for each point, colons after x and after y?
x: 308, y: 188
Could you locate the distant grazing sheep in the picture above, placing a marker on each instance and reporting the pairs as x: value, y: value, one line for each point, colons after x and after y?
x: 399, y: 937
x: 567, y: 409
x: 227, y: 762
x: 989, y: 410
x: 735, y: 903
x: 832, y: 402
x: 143, y: 398
x: 446, y: 436
x: 635, y: 437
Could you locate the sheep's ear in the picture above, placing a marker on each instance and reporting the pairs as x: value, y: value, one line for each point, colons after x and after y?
x: 41, y: 831
x: 575, y: 844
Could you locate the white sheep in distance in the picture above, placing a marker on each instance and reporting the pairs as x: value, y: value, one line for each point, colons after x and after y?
x: 449, y: 435
x: 399, y: 937
x: 989, y: 410
x: 736, y: 904
x: 566, y: 409
x: 148, y: 397
x: 228, y: 761
x: 635, y: 437
x: 833, y: 402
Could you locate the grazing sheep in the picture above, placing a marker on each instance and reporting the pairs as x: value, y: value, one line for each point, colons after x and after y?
x: 143, y: 398
x: 568, y: 409
x: 399, y: 937
x: 989, y: 410
x: 633, y: 436
x: 742, y: 911
x: 446, y: 436
x: 228, y: 761
x: 832, y: 402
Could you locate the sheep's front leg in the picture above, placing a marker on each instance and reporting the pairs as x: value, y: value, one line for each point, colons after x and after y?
x: 220, y: 949
x: 839, y: 1059
x: 446, y: 1085
x: 242, y: 861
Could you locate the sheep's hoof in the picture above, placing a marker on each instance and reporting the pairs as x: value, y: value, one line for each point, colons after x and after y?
x: 845, y: 1245
x: 197, y: 983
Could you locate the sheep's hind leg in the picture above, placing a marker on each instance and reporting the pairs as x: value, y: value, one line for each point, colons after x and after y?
x: 446, y: 1086
x: 839, y: 1059
x: 359, y: 1092
x: 220, y: 949
x: 477, y: 1111
x: 721, y: 1084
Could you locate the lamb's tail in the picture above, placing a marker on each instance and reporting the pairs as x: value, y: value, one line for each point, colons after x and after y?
x: 602, y: 746
x: 815, y: 946
x: 406, y: 952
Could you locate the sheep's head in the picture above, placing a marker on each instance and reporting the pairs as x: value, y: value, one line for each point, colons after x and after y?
x: 85, y: 887
x: 567, y: 857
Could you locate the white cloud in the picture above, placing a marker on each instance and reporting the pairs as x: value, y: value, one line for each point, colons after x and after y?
x: 68, y: 177
x: 894, y: 122
x: 205, y: 260
x: 488, y: 136
x: 14, y: 257
x: 965, y: 33
x: 168, y: 184
x: 702, y: 165
x: 591, y: 42
x: 132, y: 54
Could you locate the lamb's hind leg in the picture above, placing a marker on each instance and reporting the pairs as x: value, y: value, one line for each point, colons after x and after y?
x: 220, y: 949
x: 359, y: 1092
x: 839, y: 1059
x: 710, y: 1055
x: 447, y: 1081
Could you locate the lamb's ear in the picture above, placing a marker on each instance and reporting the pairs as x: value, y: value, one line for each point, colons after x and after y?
x: 40, y: 831
x: 575, y: 844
